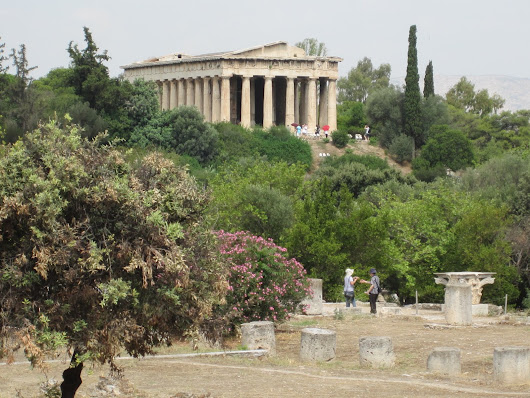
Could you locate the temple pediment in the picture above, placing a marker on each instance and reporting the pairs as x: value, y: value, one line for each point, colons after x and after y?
x: 279, y: 49
x: 275, y: 50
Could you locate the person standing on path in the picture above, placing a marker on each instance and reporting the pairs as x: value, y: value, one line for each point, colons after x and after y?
x: 349, y: 288
x: 374, y: 290
x: 367, y: 133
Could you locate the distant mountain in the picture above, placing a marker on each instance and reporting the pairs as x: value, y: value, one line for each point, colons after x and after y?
x: 515, y: 90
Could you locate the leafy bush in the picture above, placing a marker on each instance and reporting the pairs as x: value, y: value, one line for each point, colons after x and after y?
x: 340, y: 138
x: 401, y: 148
x: 280, y: 145
x: 264, y: 284
x: 371, y: 162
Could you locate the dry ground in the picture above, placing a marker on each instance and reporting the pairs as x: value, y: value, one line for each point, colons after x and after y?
x: 286, y: 376
x: 359, y: 147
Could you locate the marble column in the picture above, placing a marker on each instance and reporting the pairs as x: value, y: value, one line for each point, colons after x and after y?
x: 190, y: 92
x: 165, y: 95
x: 207, y: 99
x: 159, y: 91
x: 289, y: 102
x: 173, y: 95
x: 225, y: 98
x: 181, y: 89
x: 297, y: 101
x: 311, y: 104
x: 245, y: 102
x: 216, y: 100
x: 323, y: 109
x: 198, y: 94
x: 332, y: 105
x: 303, y: 102
x: 267, y: 103
x: 252, y: 101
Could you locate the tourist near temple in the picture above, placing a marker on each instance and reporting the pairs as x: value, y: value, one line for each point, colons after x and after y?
x: 270, y: 85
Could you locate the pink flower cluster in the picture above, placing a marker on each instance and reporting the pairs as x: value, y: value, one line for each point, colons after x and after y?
x: 264, y: 284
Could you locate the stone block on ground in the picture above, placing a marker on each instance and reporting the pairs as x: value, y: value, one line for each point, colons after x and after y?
x: 480, y: 309
x: 511, y: 365
x: 444, y: 360
x: 391, y: 311
x: 259, y: 335
x: 318, y: 344
x: 376, y: 352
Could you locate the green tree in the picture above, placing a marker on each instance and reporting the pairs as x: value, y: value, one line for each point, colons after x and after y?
x: 90, y: 76
x: 356, y: 176
x: 463, y: 96
x: 385, y: 115
x: 448, y: 148
x: 351, y: 116
x: 97, y: 256
x: 3, y: 69
x: 428, y: 88
x: 434, y: 110
x: 313, y: 47
x: 255, y: 195
x: 26, y: 108
x: 412, y: 121
x: 363, y: 80
x: 182, y: 130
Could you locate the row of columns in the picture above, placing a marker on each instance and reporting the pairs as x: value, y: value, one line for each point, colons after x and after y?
x: 211, y: 95
x: 213, y: 101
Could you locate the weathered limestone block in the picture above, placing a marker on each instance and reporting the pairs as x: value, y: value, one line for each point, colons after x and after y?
x: 480, y: 309
x: 377, y: 352
x: 259, y: 335
x: 445, y: 360
x: 314, y: 303
x: 391, y: 311
x: 318, y: 344
x: 511, y: 365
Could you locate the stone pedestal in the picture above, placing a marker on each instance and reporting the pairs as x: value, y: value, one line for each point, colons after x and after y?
x: 318, y: 344
x: 377, y: 352
x: 259, y: 336
x: 445, y: 360
x: 458, y: 310
x: 313, y: 304
x: 462, y: 290
x: 511, y: 365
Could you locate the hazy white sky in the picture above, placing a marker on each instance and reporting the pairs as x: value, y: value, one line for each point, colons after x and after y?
x: 461, y: 37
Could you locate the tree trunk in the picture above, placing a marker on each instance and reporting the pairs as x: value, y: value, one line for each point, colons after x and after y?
x: 71, y: 378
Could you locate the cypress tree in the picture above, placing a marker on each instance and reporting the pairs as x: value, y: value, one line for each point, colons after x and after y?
x: 412, y: 122
x: 428, y: 88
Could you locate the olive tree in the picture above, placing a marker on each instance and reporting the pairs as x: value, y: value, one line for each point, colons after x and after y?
x: 99, y: 256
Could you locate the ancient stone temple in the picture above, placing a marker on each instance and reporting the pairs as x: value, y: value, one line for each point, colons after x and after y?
x: 273, y: 84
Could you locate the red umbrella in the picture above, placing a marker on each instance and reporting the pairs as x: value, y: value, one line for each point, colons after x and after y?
x: 325, y: 128
x: 295, y: 124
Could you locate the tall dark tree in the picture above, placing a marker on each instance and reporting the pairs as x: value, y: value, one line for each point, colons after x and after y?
x: 90, y: 76
x: 2, y: 58
x: 412, y: 123
x: 25, y: 112
x: 428, y: 88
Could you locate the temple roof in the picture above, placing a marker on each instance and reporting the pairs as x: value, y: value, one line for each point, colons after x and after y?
x: 275, y: 50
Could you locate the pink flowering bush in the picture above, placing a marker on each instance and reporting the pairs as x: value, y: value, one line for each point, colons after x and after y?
x: 264, y: 284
